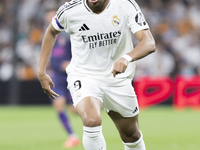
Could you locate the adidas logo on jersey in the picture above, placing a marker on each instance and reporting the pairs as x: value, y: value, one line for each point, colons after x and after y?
x: 84, y: 28
x: 136, y: 109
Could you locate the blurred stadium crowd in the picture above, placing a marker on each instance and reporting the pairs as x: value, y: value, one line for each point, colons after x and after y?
x: 175, y: 26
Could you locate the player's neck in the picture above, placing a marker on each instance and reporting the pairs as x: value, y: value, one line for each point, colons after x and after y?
x: 97, y: 7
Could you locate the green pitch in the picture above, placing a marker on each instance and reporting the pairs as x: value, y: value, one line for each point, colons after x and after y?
x: 37, y: 128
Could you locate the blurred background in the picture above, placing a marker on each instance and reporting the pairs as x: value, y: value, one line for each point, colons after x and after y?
x: 169, y: 77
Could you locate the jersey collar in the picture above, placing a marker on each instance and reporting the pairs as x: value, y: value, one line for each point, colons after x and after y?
x: 88, y: 8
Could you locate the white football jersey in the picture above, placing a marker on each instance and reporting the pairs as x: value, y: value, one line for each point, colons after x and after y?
x: 98, y: 40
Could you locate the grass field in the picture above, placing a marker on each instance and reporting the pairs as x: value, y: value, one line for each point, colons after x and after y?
x: 37, y: 128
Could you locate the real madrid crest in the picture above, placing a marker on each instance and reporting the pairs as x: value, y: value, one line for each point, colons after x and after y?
x: 115, y: 20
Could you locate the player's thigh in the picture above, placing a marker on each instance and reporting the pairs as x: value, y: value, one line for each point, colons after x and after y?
x: 59, y: 103
x: 87, y: 98
x: 60, y: 89
x: 89, y: 110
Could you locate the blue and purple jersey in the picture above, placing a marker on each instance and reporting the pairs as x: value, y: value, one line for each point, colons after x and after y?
x: 61, y: 52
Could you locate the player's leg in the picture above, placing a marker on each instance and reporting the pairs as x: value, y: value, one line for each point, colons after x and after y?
x: 87, y: 99
x: 59, y: 104
x: 70, y: 105
x: 129, y: 131
x: 89, y: 110
x: 122, y: 107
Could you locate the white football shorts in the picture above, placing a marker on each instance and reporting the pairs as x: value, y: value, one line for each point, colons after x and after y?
x: 117, y: 94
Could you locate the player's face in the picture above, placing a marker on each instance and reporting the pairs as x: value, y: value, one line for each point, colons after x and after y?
x: 97, y: 5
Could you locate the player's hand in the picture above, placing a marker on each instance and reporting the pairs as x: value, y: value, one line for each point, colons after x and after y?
x: 46, y: 83
x: 119, y: 66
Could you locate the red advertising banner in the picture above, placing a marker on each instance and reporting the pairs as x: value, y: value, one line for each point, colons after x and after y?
x: 154, y: 90
x: 187, y: 92
x: 151, y: 91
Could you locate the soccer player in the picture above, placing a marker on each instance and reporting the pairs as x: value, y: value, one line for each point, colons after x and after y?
x: 102, y: 66
x: 59, y: 60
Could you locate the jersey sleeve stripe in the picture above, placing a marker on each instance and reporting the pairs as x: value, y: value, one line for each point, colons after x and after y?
x: 58, y: 24
x: 134, y: 4
x: 64, y: 8
x: 60, y: 9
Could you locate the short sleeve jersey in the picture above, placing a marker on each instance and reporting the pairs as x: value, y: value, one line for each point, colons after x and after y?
x: 98, y: 40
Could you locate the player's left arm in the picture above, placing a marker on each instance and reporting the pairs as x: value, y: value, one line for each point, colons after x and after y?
x: 145, y: 47
x: 47, y: 45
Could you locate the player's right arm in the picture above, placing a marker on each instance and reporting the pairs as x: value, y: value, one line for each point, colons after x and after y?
x: 47, y: 45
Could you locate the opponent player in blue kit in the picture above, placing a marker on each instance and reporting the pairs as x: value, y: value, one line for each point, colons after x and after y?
x: 102, y: 66
x: 59, y: 60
